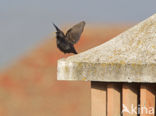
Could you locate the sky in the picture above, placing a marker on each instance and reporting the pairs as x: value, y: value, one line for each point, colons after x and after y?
x: 25, y: 23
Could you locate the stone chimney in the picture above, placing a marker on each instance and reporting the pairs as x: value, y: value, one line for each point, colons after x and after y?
x: 118, y: 70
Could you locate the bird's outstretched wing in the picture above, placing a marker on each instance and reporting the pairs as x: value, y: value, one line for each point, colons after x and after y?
x: 74, y: 33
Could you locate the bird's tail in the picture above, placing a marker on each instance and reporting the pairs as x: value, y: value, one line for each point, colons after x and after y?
x: 74, y: 51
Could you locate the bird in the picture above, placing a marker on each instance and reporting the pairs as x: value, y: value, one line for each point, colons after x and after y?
x: 65, y: 42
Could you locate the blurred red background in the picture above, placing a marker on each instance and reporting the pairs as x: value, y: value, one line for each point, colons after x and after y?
x: 29, y: 87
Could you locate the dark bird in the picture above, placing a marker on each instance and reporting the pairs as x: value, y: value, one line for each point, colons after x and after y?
x: 66, y: 42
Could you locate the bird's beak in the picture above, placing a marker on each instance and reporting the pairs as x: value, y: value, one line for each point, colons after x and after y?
x: 57, y: 29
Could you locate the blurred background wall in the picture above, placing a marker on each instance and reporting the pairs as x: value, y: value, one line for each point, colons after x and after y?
x: 28, y: 52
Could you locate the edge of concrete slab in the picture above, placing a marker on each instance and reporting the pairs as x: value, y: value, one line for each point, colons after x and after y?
x: 83, y: 71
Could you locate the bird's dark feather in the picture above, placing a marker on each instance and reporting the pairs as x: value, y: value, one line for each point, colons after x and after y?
x: 74, y: 33
x: 65, y: 42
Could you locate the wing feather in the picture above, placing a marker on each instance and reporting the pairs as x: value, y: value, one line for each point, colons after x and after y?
x: 74, y: 33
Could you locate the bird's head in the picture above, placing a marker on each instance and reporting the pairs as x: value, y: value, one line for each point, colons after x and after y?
x: 59, y: 33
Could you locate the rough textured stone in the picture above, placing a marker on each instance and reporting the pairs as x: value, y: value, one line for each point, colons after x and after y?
x: 129, y: 57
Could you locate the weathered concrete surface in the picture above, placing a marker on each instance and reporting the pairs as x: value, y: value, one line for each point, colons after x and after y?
x: 129, y: 57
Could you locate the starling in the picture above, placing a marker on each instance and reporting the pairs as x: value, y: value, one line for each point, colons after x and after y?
x: 66, y: 42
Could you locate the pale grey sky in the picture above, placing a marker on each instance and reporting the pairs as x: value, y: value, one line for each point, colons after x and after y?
x: 24, y: 23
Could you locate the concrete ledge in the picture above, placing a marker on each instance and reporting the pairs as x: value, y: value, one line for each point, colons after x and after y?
x: 129, y: 57
x: 106, y: 72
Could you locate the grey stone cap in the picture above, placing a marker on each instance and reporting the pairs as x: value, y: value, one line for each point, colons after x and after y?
x: 129, y: 57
